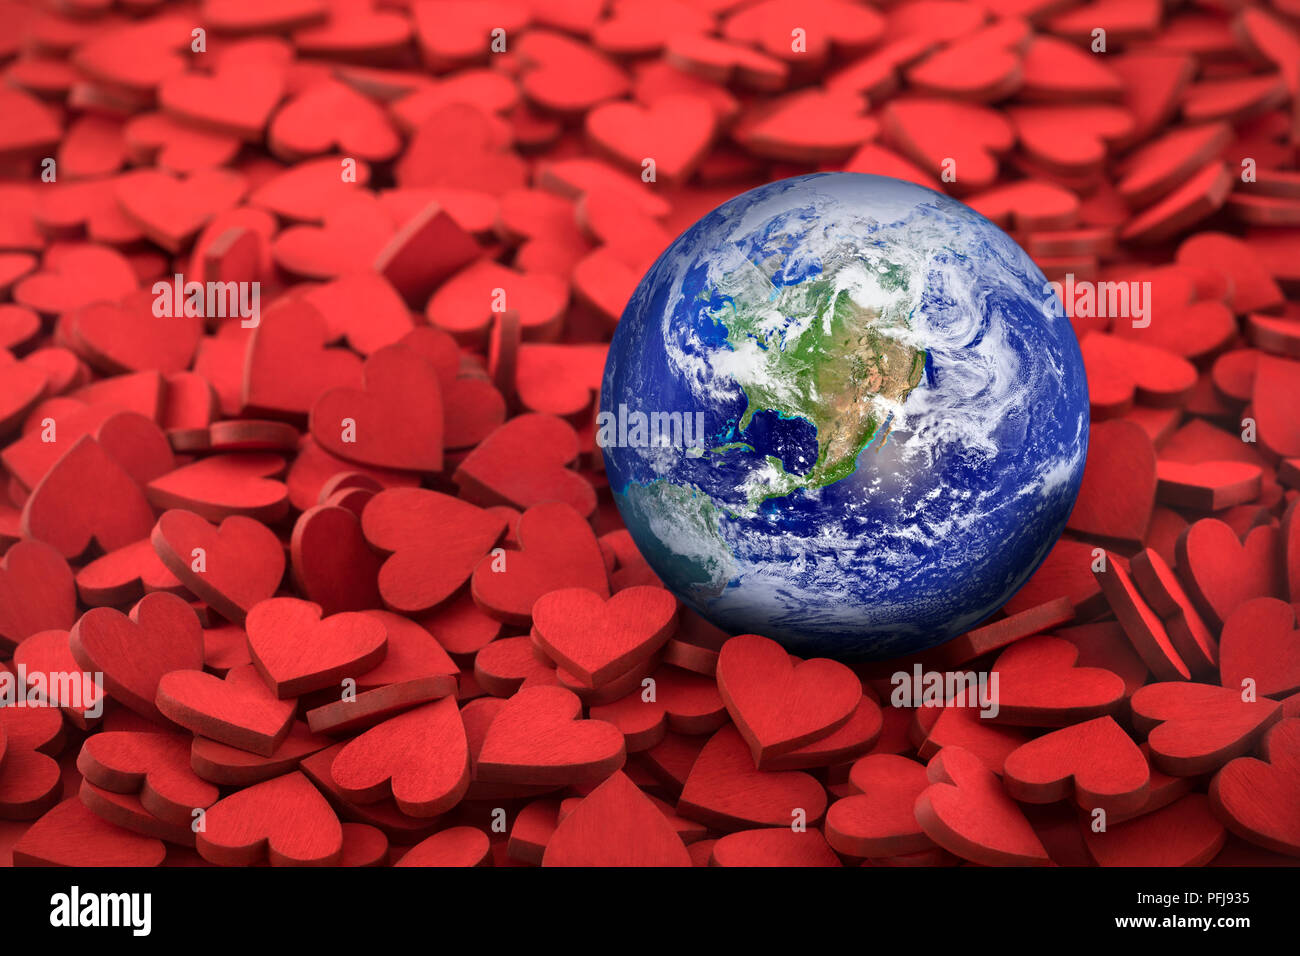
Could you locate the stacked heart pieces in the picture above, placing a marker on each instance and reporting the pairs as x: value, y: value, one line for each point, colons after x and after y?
x: 308, y: 553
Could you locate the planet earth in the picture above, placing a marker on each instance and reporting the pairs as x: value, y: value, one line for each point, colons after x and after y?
x: 845, y: 412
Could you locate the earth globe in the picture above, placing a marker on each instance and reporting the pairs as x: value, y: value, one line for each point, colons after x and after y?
x: 845, y: 412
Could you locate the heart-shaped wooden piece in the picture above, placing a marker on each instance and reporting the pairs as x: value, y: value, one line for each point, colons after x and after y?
x: 240, y: 711
x: 71, y: 835
x: 37, y: 592
x: 539, y: 737
x: 87, y: 496
x: 777, y: 705
x: 1120, y: 456
x: 284, y: 821
x: 966, y: 811
x: 230, y: 567
x: 434, y: 542
x: 880, y: 821
x: 1197, y: 728
x: 394, y: 421
x: 156, y: 766
x: 1185, y: 833
x: 1095, y: 761
x: 296, y: 651
x: 332, y: 563
x: 1039, y: 684
x: 287, y: 366
x: 1222, y: 571
x: 598, y: 639
x: 615, y: 825
x: 1261, y: 644
x: 724, y: 789
x: 1257, y: 798
x: 162, y: 634
x: 420, y: 758
x: 558, y: 549
x: 523, y: 463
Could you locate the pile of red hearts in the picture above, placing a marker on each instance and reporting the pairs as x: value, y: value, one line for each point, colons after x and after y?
x: 341, y: 551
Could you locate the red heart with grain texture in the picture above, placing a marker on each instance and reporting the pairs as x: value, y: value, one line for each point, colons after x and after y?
x: 616, y: 825
x: 966, y: 811
x: 558, y: 549
x: 71, y: 835
x: 240, y: 711
x: 724, y: 790
x: 1261, y: 643
x: 1197, y: 728
x: 37, y: 592
x: 1185, y: 833
x: 539, y: 737
x: 434, y: 541
x: 287, y: 366
x: 522, y: 463
x: 881, y: 820
x: 598, y: 639
x: 87, y: 496
x: 156, y: 766
x: 296, y: 651
x: 332, y: 563
x: 779, y: 706
x: 420, y: 758
x: 1095, y: 761
x: 284, y: 821
x: 1221, y: 571
x: 395, y: 421
x: 1040, y: 686
x: 1257, y: 798
x: 230, y: 567
x: 162, y: 634
x: 1118, y: 491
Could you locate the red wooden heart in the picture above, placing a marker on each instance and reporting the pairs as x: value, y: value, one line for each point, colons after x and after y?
x: 881, y: 820
x: 37, y: 592
x: 162, y: 634
x: 284, y: 821
x: 1095, y: 761
x: 71, y: 835
x: 966, y: 812
x: 1197, y: 728
x: 779, y: 706
x: 1041, y: 686
x: 725, y: 791
x: 615, y: 825
x: 156, y: 766
x: 523, y: 463
x: 539, y: 738
x: 240, y: 711
x: 557, y: 550
x: 1257, y: 798
x: 395, y: 421
x: 1261, y: 643
x: 332, y: 563
x: 85, y: 497
x: 297, y: 651
x: 420, y: 758
x: 598, y: 639
x: 1221, y: 571
x: 434, y: 542
x: 242, y: 561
